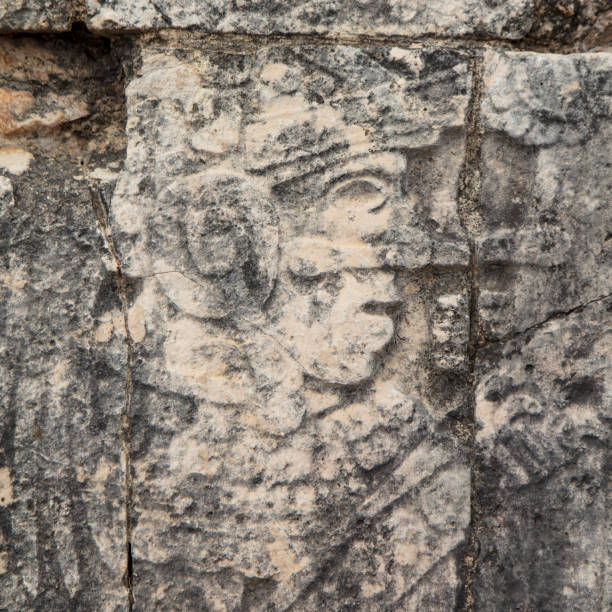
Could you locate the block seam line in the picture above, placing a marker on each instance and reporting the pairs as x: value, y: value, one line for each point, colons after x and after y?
x: 468, y: 200
x: 100, y: 209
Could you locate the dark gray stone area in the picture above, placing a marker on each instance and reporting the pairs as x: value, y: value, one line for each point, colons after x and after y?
x: 543, y: 407
x: 62, y: 464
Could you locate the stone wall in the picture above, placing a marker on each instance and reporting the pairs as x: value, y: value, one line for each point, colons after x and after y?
x: 305, y: 306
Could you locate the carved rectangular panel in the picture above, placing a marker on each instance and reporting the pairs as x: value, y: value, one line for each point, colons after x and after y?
x: 543, y: 373
x: 287, y: 221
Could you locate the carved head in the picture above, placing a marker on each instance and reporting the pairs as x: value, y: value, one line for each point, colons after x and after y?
x: 320, y: 290
x: 335, y: 289
x: 278, y: 208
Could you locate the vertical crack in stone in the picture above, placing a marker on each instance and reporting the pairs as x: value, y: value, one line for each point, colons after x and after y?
x: 100, y: 209
x: 468, y: 202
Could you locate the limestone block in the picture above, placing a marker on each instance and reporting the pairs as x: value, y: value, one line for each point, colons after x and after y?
x: 544, y: 244
x: 62, y: 503
x: 542, y: 398
x: 287, y: 220
x: 61, y: 479
x: 543, y: 408
x: 509, y: 19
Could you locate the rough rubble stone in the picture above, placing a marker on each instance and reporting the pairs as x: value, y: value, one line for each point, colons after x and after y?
x: 75, y: 85
x: 33, y: 91
x: 62, y: 504
x: 287, y: 219
x: 543, y: 407
x: 509, y: 19
x: 36, y: 15
x: 587, y: 23
x: 544, y: 243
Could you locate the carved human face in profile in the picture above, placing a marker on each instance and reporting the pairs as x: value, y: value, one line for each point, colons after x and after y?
x: 336, y: 191
x: 303, y: 265
x: 336, y: 297
x: 312, y: 278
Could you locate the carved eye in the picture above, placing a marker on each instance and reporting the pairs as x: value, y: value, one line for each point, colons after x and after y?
x: 329, y: 282
x: 362, y: 194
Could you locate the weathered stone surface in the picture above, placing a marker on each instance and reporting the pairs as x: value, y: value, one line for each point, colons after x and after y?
x: 47, y: 84
x: 36, y: 15
x: 586, y: 23
x: 62, y: 503
x: 62, y: 506
x: 544, y: 244
x: 599, y: 35
x: 504, y: 19
x: 33, y: 92
x: 299, y: 317
x: 543, y: 392
x: 339, y: 340
x: 543, y: 407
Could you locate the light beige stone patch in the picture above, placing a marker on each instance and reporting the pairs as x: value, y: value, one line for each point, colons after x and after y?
x: 6, y: 487
x: 15, y: 159
x: 283, y: 557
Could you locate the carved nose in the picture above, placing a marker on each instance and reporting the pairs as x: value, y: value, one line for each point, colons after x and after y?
x: 384, y: 297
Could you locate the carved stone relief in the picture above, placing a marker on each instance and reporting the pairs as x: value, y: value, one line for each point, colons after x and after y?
x: 543, y: 371
x: 545, y: 207
x: 304, y: 308
x: 295, y: 298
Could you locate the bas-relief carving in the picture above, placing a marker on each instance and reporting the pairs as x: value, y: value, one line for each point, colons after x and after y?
x: 542, y: 392
x: 266, y: 220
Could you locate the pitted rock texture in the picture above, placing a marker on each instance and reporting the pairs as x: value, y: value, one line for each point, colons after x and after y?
x: 505, y: 19
x: 43, y: 85
x: 62, y: 501
x: 582, y: 24
x: 62, y: 504
x: 36, y: 15
x: 288, y: 222
x: 544, y: 244
x: 542, y: 403
x: 543, y: 408
x: 587, y: 23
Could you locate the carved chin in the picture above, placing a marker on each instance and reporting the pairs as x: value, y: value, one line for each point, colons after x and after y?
x: 348, y: 371
x: 350, y: 358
